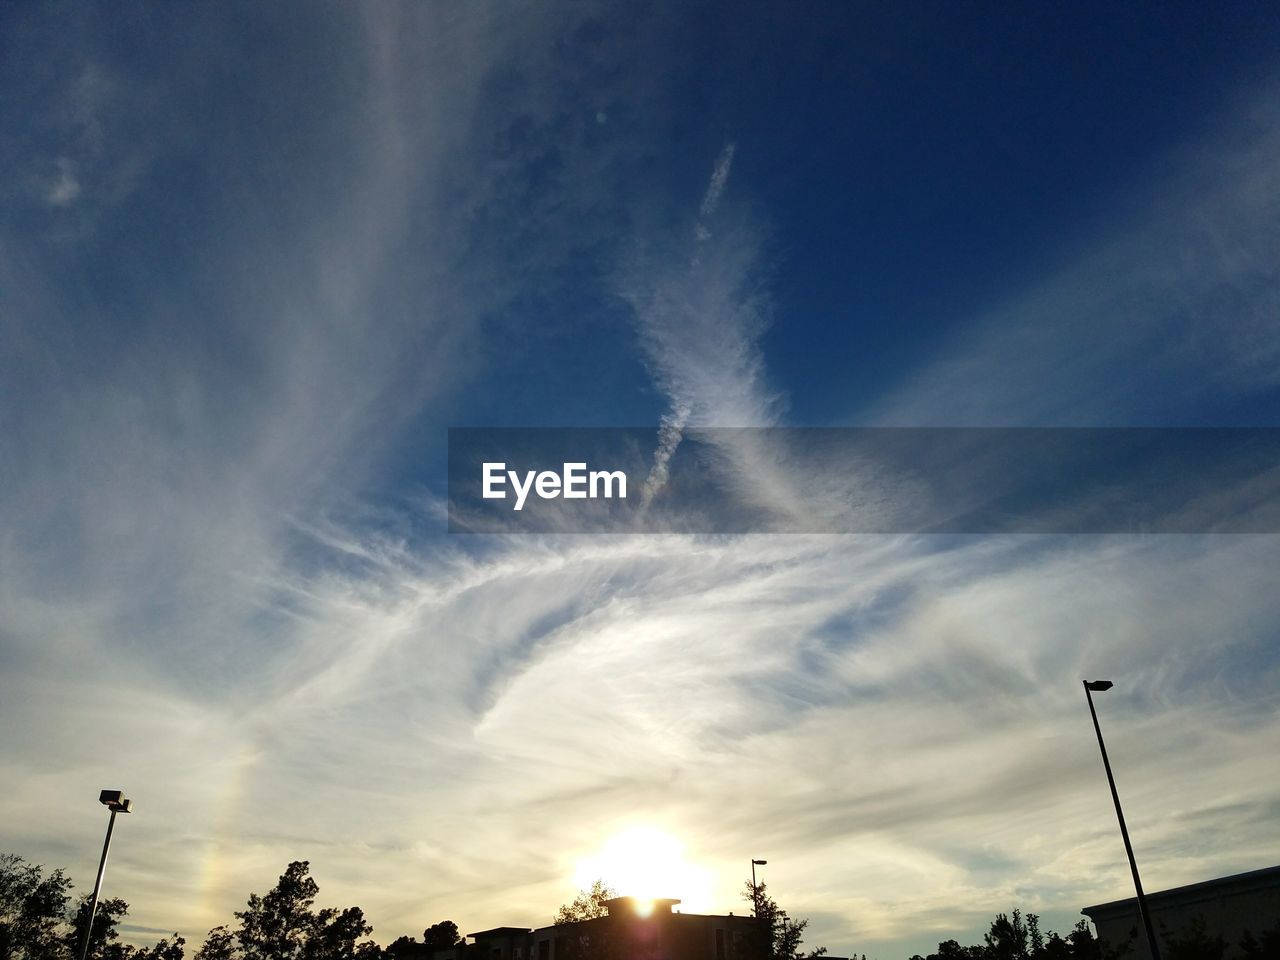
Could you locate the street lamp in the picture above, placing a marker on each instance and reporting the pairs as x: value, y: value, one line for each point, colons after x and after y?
x: 755, y: 891
x: 1098, y: 686
x: 116, y: 802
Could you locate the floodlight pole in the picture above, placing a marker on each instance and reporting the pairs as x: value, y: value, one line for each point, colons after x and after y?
x: 755, y: 896
x: 97, y: 888
x: 1089, y: 687
x: 116, y: 802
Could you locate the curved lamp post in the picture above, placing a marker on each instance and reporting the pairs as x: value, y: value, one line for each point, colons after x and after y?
x: 116, y: 802
x: 1098, y: 686
x: 755, y: 896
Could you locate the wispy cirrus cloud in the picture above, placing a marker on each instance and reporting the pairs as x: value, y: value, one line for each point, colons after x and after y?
x: 711, y: 199
x: 854, y: 696
x: 700, y: 307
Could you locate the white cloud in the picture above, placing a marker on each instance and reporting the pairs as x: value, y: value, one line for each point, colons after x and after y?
x: 711, y: 199
x: 872, y: 710
x: 64, y: 188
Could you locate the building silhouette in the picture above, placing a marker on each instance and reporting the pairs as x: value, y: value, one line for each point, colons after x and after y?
x: 634, y: 929
x: 1228, y: 907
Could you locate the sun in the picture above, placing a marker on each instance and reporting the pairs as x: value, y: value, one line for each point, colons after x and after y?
x: 645, y: 862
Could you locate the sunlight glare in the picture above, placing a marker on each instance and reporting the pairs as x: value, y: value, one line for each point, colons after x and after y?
x: 648, y: 863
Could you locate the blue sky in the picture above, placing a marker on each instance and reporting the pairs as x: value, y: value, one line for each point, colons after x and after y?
x: 255, y: 262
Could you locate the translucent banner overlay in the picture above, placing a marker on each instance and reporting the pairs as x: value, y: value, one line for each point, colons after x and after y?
x: 895, y: 480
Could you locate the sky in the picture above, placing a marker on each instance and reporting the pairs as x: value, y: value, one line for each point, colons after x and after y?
x: 256, y: 260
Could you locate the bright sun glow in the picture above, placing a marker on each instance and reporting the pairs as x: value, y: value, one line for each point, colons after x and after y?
x: 645, y: 862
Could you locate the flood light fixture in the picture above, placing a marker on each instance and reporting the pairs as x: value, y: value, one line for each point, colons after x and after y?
x: 116, y: 802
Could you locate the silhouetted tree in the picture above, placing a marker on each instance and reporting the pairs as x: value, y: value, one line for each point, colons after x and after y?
x: 1020, y: 938
x: 1085, y: 947
x: 33, y: 909
x: 165, y: 949
x: 442, y: 936
x: 1054, y: 947
x: 778, y: 937
x: 35, y: 923
x: 220, y: 944
x: 405, y: 948
x: 276, y: 926
x: 439, y: 936
x: 283, y: 926
x: 951, y: 950
x: 585, y: 943
x: 102, y: 938
x: 587, y: 905
x: 1008, y: 939
x: 336, y: 934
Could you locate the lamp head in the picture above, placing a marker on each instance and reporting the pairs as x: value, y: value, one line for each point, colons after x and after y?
x: 759, y: 863
x: 115, y: 801
x: 1097, y: 686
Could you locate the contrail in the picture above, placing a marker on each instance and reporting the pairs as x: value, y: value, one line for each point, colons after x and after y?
x: 671, y: 430
x: 711, y: 199
x: 670, y: 433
